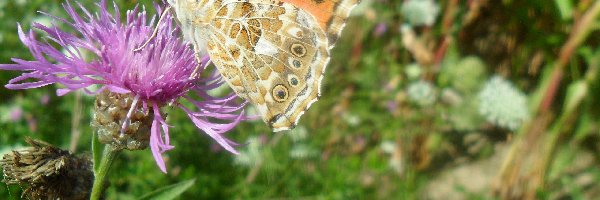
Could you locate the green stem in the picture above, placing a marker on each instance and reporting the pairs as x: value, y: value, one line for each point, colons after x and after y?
x: 101, y: 175
x: 580, y: 32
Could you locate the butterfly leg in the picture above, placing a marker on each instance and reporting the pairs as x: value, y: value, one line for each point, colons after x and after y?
x: 155, y: 32
x: 198, y: 66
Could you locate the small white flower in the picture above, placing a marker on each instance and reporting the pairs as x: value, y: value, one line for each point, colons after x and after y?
x: 395, y: 159
x: 422, y: 93
x: 351, y: 119
x: 388, y: 146
x: 420, y: 12
x: 502, y: 104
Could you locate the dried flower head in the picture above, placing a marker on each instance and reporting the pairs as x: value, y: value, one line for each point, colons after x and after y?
x: 48, y: 172
x: 144, y: 81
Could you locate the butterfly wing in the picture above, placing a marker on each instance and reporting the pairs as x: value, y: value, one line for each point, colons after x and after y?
x: 331, y: 15
x: 271, y: 52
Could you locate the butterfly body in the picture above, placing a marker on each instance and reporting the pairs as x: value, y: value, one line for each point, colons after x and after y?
x: 272, y: 53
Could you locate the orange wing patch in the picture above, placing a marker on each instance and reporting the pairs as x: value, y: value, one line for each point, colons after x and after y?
x: 330, y: 14
x: 322, y: 10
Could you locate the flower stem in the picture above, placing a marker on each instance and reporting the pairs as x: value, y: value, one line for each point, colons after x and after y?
x: 101, y: 174
x: 525, y: 170
x: 581, y: 31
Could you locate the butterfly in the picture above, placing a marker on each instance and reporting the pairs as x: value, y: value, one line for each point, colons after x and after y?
x: 272, y: 53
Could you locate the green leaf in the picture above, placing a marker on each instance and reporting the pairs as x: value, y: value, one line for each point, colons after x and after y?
x: 584, y: 128
x: 576, y: 92
x: 169, y: 192
x: 565, y: 8
x: 97, y: 149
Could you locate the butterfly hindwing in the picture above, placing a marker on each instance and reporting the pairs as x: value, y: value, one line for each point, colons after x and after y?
x: 272, y: 53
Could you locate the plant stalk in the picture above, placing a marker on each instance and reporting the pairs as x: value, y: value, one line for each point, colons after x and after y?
x: 581, y: 30
x: 523, y: 173
x: 101, y: 174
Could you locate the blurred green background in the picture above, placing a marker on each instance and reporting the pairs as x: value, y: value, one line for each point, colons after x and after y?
x: 489, y: 99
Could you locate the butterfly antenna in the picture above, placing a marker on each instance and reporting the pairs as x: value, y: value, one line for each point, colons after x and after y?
x: 155, y: 32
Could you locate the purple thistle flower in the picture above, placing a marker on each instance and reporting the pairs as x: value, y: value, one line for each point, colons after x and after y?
x: 156, y: 76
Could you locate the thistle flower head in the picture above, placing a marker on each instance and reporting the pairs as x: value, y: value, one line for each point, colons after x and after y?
x: 153, y: 77
x: 502, y: 104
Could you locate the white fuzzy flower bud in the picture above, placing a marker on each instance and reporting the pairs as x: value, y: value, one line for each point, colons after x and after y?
x: 502, y: 104
x: 420, y: 12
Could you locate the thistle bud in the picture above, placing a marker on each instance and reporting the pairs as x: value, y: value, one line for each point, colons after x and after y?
x: 121, y: 122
